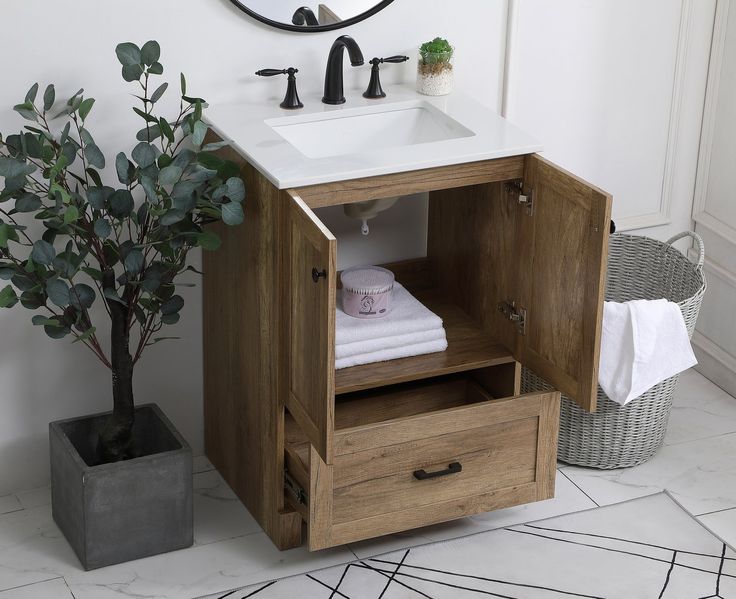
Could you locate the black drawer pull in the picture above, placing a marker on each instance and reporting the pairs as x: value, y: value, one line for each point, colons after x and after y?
x: 316, y: 274
x: 453, y: 468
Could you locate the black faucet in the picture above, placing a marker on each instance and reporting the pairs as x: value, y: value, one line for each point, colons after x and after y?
x: 333, y: 76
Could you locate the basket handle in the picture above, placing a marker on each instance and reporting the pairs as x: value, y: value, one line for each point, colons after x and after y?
x: 698, y: 240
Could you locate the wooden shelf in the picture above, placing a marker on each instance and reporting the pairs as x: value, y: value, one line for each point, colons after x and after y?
x: 468, y: 348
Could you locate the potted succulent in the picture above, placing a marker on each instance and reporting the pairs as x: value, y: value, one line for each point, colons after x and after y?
x: 434, y: 68
x: 74, y: 250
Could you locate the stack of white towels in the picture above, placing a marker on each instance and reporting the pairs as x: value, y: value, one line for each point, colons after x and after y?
x: 409, y: 329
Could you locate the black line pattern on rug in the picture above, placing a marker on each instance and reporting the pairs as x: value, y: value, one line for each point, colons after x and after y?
x: 327, y: 586
x: 393, y: 574
x: 669, y: 573
x: 492, y: 580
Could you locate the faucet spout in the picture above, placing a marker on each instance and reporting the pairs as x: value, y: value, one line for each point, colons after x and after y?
x: 334, y: 93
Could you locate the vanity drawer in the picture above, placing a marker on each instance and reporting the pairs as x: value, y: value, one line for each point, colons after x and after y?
x: 409, y: 471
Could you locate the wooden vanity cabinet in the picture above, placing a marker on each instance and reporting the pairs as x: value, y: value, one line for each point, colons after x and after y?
x: 515, y: 266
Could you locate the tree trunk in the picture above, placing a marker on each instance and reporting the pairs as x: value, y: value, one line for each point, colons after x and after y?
x: 116, y: 437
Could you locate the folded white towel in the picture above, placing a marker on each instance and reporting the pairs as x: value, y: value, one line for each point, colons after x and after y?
x: 407, y: 315
x: 346, y: 350
x: 405, y: 351
x: 643, y: 343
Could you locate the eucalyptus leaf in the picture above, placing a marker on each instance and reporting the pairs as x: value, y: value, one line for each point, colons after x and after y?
x: 27, y: 111
x: 71, y: 214
x: 156, y: 68
x: 200, y: 130
x: 49, y: 97
x: 58, y: 331
x: 124, y: 169
x: 134, y: 262
x: 31, y: 95
x: 102, y: 228
x: 121, y: 204
x: 11, y: 168
x: 235, y: 189
x: 232, y: 213
x: 150, y: 52
x: 172, y: 305
x: 94, y: 156
x: 170, y: 318
x: 43, y: 252
x: 82, y: 296
x: 8, y: 298
x: 85, y: 107
x: 58, y: 292
x: 170, y: 175
x: 172, y: 217
x: 144, y: 154
x: 128, y: 54
x: 40, y: 320
x: 7, y: 233
x: 98, y: 196
x: 28, y: 202
x: 160, y: 90
x: 132, y: 72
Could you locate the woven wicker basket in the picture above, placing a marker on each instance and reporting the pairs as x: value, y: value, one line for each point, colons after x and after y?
x: 619, y: 436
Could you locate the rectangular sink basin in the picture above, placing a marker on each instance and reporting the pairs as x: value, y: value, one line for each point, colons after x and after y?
x: 355, y: 131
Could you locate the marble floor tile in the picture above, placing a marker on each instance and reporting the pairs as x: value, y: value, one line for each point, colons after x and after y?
x: 218, y: 513
x: 700, y: 409
x: 568, y: 499
x: 34, y: 497
x: 9, y: 503
x: 202, y: 570
x: 49, y: 589
x: 722, y: 524
x: 700, y: 474
x: 200, y: 463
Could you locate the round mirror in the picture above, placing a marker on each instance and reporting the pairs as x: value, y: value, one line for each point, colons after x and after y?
x: 291, y: 15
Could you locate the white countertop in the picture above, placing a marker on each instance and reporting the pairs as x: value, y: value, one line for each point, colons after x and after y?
x: 245, y: 125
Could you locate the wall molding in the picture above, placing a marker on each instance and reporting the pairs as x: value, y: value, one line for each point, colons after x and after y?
x: 718, y: 44
x: 662, y: 216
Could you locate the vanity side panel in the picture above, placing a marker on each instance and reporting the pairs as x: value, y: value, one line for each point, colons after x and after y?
x: 244, y: 419
x: 472, y: 246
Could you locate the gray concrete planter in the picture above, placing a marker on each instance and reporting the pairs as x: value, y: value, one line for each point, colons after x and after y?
x: 113, y: 513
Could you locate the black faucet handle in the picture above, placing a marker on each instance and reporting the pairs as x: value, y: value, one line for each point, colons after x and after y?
x: 291, y: 100
x: 375, y: 90
x: 394, y: 59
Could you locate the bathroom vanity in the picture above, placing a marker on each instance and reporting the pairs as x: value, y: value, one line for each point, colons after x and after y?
x: 515, y: 266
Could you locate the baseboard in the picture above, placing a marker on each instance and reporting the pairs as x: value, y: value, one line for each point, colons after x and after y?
x: 714, y: 363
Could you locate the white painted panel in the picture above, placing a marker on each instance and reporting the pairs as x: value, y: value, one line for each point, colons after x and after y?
x: 720, y: 201
x: 594, y: 81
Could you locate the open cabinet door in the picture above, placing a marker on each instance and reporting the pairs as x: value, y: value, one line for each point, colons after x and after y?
x: 563, y: 240
x: 310, y: 288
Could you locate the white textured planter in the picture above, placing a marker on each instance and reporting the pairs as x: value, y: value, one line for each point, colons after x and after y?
x: 440, y: 84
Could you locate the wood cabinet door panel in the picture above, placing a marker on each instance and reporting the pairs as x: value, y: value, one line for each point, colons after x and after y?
x: 563, y: 245
x: 310, y: 290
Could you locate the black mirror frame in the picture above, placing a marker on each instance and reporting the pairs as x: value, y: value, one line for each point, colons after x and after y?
x: 313, y: 29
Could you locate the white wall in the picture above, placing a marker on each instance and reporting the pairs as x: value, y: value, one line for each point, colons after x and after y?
x: 72, y: 44
x: 715, y: 209
x: 614, y: 89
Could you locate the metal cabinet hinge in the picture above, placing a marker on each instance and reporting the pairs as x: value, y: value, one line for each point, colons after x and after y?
x: 515, y: 314
x: 294, y: 489
x: 516, y: 189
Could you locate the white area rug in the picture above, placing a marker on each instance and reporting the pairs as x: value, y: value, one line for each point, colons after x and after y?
x: 647, y: 548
